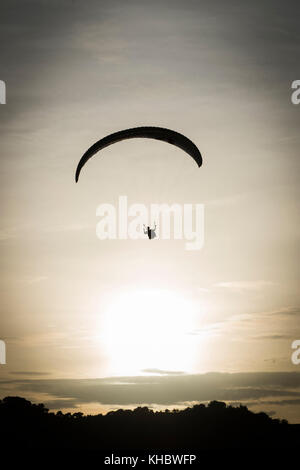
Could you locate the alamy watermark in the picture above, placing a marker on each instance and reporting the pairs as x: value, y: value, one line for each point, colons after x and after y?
x: 295, y: 98
x: 2, y: 92
x: 2, y: 352
x: 161, y: 221
x: 296, y: 354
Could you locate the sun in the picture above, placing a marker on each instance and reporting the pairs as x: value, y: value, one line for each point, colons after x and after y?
x: 149, y: 330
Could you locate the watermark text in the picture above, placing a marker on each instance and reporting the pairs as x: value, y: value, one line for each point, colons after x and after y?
x: 2, y: 352
x: 2, y: 92
x: 161, y: 221
x: 295, y: 98
x: 296, y: 354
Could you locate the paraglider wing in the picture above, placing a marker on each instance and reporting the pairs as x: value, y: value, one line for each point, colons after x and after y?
x: 159, y: 133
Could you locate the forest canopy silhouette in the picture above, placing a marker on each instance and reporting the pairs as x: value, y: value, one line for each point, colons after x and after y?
x: 201, y: 427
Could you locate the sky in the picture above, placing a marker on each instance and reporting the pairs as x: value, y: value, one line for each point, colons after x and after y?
x: 93, y: 325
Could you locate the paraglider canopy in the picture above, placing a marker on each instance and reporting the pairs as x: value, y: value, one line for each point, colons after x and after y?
x: 158, y: 133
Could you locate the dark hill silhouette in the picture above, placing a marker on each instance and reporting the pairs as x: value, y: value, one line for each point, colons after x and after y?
x: 216, y: 426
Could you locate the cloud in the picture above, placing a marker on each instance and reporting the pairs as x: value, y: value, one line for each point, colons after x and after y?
x: 245, y: 285
x: 271, y: 337
x: 272, y: 325
x: 60, y: 403
x: 211, y: 329
x: 29, y: 373
x: 33, y: 279
x: 293, y: 402
x: 165, y: 390
x: 162, y: 372
x: 286, y: 311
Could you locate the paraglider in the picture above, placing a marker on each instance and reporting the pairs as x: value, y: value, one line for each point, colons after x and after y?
x: 150, y: 232
x: 158, y: 133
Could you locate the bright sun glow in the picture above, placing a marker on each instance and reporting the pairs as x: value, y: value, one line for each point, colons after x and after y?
x: 149, y: 330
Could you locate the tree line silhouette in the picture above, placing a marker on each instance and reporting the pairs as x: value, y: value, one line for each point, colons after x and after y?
x: 201, y: 427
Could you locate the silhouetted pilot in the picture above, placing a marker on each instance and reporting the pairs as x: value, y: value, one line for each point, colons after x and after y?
x: 150, y: 232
